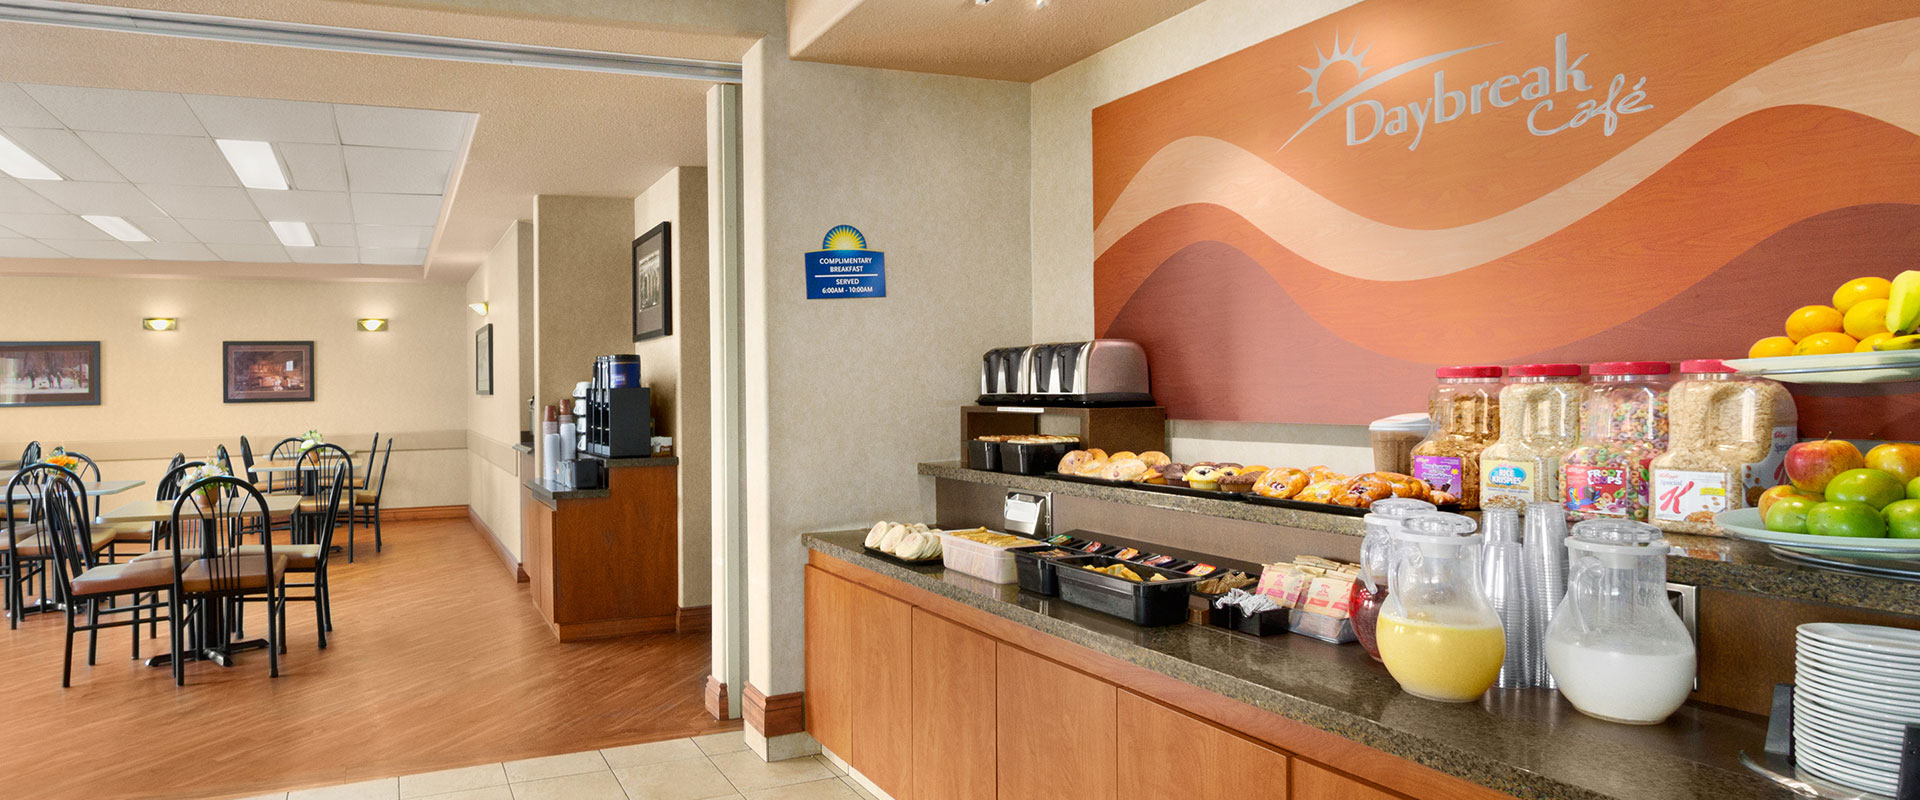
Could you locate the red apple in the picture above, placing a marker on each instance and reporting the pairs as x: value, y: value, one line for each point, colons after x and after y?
x: 1811, y: 464
x: 1782, y: 492
x: 1899, y: 459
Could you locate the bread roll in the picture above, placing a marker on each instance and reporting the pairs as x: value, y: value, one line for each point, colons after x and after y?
x: 879, y: 532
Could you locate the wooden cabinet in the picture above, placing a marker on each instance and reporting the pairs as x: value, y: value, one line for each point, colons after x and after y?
x: 882, y: 708
x: 536, y: 550
x: 1311, y: 782
x: 1039, y: 701
x: 606, y: 566
x: 831, y: 666
x: 953, y: 711
x: 1170, y: 754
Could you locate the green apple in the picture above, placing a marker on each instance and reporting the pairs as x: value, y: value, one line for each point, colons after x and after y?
x: 1789, y: 514
x: 1845, y: 518
x: 1871, y: 486
x: 1913, y: 489
x: 1903, y: 519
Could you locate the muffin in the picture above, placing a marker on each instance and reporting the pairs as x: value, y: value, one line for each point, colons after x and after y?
x: 1204, y: 476
x: 1243, y: 482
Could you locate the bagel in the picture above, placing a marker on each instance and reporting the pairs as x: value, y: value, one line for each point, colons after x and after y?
x: 1072, y: 462
x: 1154, y: 458
x: 1123, y: 469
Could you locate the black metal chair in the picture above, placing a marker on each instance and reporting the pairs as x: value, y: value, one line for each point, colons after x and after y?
x: 286, y: 449
x: 28, y: 553
x: 30, y: 456
x: 366, y: 477
x: 366, y: 503
x: 123, y: 533
x: 311, y: 559
x: 211, y: 575
x: 83, y: 581
x: 221, y: 458
x: 319, y: 466
x: 160, y: 536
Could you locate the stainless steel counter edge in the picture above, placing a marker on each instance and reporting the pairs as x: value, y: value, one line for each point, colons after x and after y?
x: 1710, y: 561
x: 1526, y: 743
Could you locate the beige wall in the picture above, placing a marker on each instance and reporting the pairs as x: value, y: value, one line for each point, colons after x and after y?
x: 1062, y: 202
x: 674, y: 366
x: 161, y: 394
x: 494, y: 422
x: 583, y: 289
x: 843, y: 397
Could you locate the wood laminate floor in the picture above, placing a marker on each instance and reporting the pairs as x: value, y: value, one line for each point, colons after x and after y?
x: 437, y: 660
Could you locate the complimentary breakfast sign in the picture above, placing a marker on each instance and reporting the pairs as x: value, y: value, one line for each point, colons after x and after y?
x: 844, y: 267
x: 1407, y: 184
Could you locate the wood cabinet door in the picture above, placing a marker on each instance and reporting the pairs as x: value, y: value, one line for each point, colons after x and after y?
x: 536, y: 551
x: 1042, y: 705
x: 1313, y: 782
x: 883, y: 691
x: 829, y: 660
x: 953, y: 711
x: 1166, y: 753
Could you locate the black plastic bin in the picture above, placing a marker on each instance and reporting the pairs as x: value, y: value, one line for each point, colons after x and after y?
x: 1147, y: 603
x: 1035, y: 572
x: 1033, y: 459
x: 983, y: 455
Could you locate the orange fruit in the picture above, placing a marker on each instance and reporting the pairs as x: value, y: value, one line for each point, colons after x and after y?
x: 1808, y: 320
x: 1771, y: 347
x: 1825, y: 343
x: 1866, y: 318
x: 1867, y: 342
x: 1858, y: 289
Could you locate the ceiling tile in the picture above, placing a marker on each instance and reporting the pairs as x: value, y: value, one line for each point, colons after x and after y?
x: 325, y: 255
x: 218, y: 231
x: 334, y: 235
x: 396, y: 209
x: 403, y: 236
x: 174, y: 251
x: 163, y: 229
x: 264, y: 120
x: 117, y: 199
x: 91, y: 249
x: 172, y: 160
x: 381, y: 255
x: 27, y: 248
x: 250, y: 252
x: 202, y: 202
x: 119, y: 110
x: 52, y: 226
x: 16, y: 198
x: 315, y: 167
x: 17, y: 109
x: 65, y: 153
x: 394, y: 171
x: 302, y: 206
x: 401, y: 127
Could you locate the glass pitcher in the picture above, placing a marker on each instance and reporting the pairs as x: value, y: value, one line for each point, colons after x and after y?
x: 1376, y: 558
x: 1616, y: 646
x: 1438, y: 635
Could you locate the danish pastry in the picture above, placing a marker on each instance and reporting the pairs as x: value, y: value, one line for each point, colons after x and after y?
x: 1324, y: 473
x: 1318, y: 492
x: 1281, y: 483
x: 1362, y: 490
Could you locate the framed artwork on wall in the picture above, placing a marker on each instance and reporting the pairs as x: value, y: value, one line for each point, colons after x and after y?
x: 49, y: 374
x: 483, y: 360
x: 653, y: 284
x: 267, y: 372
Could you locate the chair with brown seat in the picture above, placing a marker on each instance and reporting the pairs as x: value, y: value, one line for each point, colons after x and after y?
x: 84, y: 581
x: 123, y: 533
x: 366, y: 503
x: 311, y: 559
x: 211, y: 579
x: 319, y: 465
x: 28, y: 554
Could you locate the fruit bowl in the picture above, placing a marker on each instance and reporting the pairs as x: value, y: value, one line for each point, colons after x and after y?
x: 1872, y: 367
x: 1744, y: 523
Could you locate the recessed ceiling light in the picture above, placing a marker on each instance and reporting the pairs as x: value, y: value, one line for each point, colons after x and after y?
x: 117, y: 228
x: 21, y: 164
x: 254, y: 162
x: 292, y: 234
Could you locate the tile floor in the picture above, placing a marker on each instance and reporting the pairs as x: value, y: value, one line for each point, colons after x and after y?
x: 716, y: 766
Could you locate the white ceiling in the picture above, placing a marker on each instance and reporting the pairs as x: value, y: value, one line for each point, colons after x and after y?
x: 370, y: 181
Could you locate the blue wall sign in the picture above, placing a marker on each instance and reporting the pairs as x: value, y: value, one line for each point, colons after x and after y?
x: 844, y: 267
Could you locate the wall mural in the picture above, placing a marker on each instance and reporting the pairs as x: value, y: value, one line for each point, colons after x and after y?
x: 1301, y: 231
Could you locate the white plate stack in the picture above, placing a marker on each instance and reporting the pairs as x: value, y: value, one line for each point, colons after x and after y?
x: 1857, y: 688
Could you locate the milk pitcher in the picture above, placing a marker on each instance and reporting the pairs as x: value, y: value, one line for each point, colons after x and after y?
x: 1617, y: 648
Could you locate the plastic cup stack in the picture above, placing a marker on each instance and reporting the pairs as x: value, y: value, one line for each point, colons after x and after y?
x: 1545, y: 557
x: 1502, y: 577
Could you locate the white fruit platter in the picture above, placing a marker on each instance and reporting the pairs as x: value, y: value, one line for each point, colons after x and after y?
x: 1744, y: 523
x: 1874, y: 367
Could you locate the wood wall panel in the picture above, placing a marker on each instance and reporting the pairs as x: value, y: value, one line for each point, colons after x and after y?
x: 954, y: 730
x: 882, y: 708
x: 1037, y: 701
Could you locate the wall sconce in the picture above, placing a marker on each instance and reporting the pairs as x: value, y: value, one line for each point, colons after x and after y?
x: 371, y: 325
x: 160, y: 323
x: 479, y: 308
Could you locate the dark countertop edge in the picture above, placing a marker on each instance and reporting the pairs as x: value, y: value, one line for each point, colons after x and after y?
x: 550, y: 494
x: 648, y: 461
x: 1441, y: 756
x: 1709, y: 561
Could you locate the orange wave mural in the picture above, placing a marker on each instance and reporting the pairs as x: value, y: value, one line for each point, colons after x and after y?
x: 1334, y: 214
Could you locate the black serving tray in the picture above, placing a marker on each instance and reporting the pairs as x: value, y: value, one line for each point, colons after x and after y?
x: 1035, y: 573
x: 886, y: 556
x: 1163, y: 488
x: 1145, y: 603
x: 1325, y: 508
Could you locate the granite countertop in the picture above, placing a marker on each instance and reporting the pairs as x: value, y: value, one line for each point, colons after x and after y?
x: 550, y: 493
x: 1528, y: 743
x: 649, y: 461
x: 1709, y: 561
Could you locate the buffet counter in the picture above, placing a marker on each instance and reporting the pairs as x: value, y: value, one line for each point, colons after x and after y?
x: 1288, y: 714
x: 604, y: 562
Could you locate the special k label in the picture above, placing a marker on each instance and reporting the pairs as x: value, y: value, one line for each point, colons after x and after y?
x: 1679, y: 494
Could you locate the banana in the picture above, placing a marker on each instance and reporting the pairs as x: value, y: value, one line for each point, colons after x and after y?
x: 1903, y: 306
x: 1909, y: 342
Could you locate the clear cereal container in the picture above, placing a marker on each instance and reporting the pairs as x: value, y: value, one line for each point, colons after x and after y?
x: 1539, y: 423
x: 1623, y: 426
x: 1465, y: 408
x: 1729, y: 442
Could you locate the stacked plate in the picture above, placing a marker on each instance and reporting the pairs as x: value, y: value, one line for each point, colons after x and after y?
x: 1858, y: 687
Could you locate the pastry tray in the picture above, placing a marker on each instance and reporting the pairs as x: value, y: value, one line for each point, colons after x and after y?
x: 1302, y: 505
x: 1184, y: 491
x: 936, y: 561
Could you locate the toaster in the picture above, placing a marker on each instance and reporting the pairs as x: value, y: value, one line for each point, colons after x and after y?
x: 1102, y: 372
x: 1002, y: 372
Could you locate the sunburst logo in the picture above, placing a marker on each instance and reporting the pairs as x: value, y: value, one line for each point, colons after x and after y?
x: 844, y: 237
x: 1346, y: 54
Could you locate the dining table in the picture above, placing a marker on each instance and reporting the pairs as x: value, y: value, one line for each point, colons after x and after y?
x: 93, y: 489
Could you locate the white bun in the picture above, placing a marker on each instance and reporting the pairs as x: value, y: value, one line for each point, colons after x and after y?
x: 874, y: 536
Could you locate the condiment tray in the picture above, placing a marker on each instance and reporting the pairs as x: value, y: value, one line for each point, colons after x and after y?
x: 1872, y: 367
x: 1744, y: 523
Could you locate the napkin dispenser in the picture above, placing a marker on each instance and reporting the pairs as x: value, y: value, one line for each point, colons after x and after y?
x: 587, y: 473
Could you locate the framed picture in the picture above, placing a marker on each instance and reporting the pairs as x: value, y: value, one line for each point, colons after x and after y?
x: 267, y: 372
x: 653, y: 284
x: 49, y: 374
x: 483, y: 360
